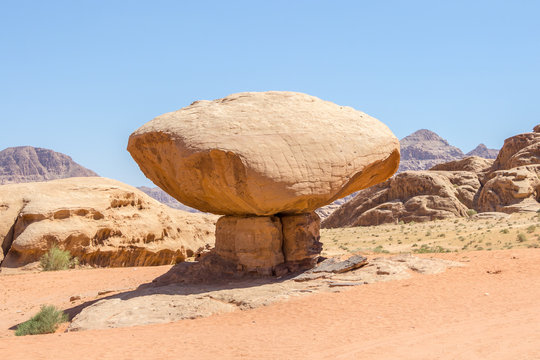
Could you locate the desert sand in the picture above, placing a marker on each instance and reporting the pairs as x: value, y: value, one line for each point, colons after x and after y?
x: 488, y: 309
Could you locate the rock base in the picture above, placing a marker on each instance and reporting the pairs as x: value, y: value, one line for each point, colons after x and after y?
x: 269, y: 244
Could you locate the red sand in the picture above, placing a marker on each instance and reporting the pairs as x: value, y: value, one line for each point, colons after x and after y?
x: 463, y: 313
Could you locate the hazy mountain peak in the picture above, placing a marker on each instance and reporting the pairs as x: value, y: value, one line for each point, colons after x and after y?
x: 483, y: 151
x: 424, y: 149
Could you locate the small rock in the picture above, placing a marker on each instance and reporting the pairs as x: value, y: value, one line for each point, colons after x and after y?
x: 75, y: 298
x: 334, y: 266
x: 103, y: 292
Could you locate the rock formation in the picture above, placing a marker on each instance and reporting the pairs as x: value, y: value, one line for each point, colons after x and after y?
x: 409, y: 196
x: 483, y: 152
x: 29, y: 164
x: 101, y: 221
x: 509, y: 184
x: 424, y: 149
x: 472, y: 163
x: 513, y: 184
x: 266, y: 161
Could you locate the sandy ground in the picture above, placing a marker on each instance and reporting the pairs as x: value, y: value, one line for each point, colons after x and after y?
x: 489, y: 309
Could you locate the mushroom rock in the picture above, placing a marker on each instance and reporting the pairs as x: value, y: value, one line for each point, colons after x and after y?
x: 278, y: 155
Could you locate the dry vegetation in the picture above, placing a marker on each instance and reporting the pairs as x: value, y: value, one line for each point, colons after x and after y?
x: 460, y: 234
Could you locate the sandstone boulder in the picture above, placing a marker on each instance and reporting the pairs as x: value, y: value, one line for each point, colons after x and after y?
x: 101, y: 221
x: 264, y: 153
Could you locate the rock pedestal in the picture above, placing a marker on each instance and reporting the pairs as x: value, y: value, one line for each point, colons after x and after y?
x: 253, y: 242
x: 260, y: 243
x: 301, y: 238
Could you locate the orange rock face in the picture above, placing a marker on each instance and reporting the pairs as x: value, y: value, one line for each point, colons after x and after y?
x: 264, y: 153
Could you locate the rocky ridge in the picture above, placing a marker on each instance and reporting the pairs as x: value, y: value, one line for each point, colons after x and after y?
x: 30, y: 164
x: 508, y: 184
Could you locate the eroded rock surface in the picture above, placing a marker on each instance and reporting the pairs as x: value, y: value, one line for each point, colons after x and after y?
x: 101, y: 221
x: 409, y: 196
x: 471, y: 163
x: 264, y: 153
x: 160, y: 303
x: 509, y: 184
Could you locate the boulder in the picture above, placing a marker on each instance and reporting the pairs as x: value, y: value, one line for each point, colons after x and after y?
x: 101, y: 221
x: 264, y: 153
x: 266, y: 161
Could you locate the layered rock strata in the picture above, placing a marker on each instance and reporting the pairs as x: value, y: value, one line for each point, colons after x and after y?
x: 266, y: 161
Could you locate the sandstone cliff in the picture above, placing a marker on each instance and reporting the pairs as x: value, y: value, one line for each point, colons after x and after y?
x: 101, y: 221
x: 29, y: 164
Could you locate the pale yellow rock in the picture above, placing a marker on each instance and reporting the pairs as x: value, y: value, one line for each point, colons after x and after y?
x: 264, y: 153
x: 253, y: 242
x: 101, y: 221
x: 301, y: 237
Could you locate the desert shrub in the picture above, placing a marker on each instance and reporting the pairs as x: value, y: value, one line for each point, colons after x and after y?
x: 57, y: 259
x: 44, y: 322
x: 471, y: 212
x: 380, y: 250
x: 505, y: 231
x: 430, y: 249
x: 521, y: 237
x: 531, y: 229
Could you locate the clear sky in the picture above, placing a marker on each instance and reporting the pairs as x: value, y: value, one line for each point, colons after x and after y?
x: 79, y: 76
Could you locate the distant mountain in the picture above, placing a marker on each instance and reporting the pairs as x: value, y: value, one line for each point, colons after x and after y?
x: 29, y: 164
x: 166, y: 199
x: 482, y: 151
x: 423, y: 149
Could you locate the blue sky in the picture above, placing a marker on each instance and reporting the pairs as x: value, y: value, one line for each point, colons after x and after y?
x: 79, y: 76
